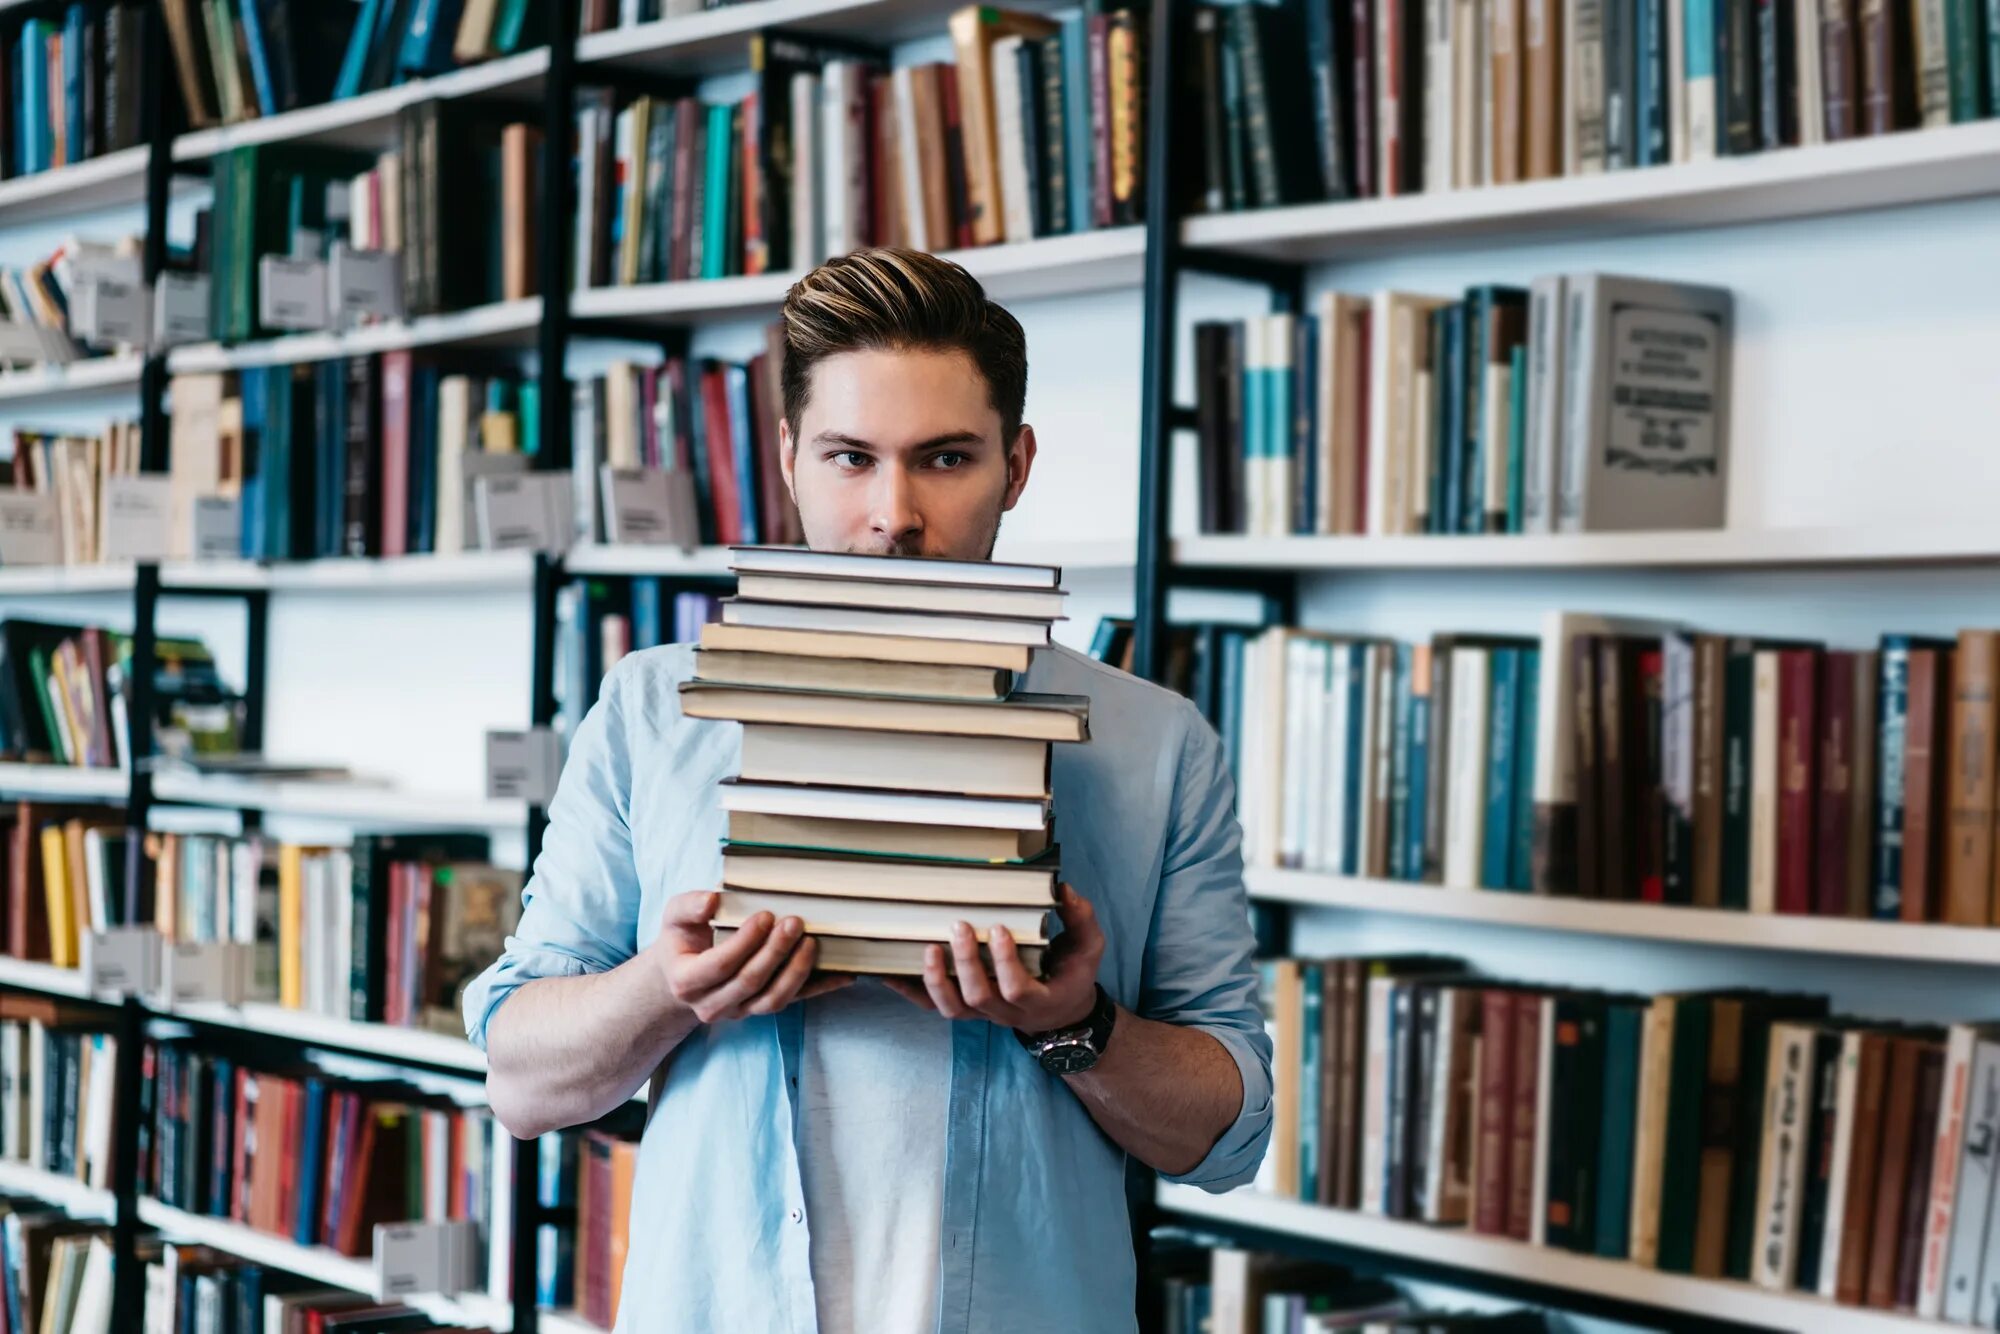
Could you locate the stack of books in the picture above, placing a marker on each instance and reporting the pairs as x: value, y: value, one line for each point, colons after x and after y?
x: 893, y: 781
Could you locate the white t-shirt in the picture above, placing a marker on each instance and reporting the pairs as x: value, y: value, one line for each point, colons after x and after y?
x: 874, y: 1088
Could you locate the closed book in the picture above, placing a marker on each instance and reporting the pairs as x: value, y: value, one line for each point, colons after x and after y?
x: 1760, y: 1013
x: 968, y: 843
x: 1649, y: 1142
x: 1917, y: 1181
x: 836, y: 646
x: 1822, y: 1136
x: 953, y: 765
x: 946, y: 598
x: 1492, y: 1152
x: 1524, y: 1191
x: 1653, y: 95
x: 869, y: 621
x: 1576, y: 1115
x: 1452, y: 1102
x: 1973, y: 1203
x: 1542, y: 151
x: 1859, y: 1237
x: 1947, y: 1130
x: 881, y: 919
x: 1777, y: 74
x: 1718, y: 1136
x: 866, y: 875
x: 1899, y: 1114
x: 1681, y: 1142
x: 1022, y: 716
x: 1624, y: 1048
x: 1926, y: 783
x: 1888, y: 82
x: 1968, y: 859
x: 1780, y: 1171
x: 1840, y: 80
x: 1798, y: 711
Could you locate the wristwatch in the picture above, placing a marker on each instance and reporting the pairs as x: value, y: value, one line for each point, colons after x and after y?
x: 1073, y: 1050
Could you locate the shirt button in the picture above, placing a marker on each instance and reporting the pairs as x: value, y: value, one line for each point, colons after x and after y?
x: 798, y: 1216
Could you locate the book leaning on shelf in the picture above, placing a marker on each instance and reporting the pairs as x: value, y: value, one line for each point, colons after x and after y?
x: 73, y: 88
x: 893, y: 779
x: 1035, y: 128
x: 1444, y: 95
x: 1736, y: 1134
x: 1619, y: 759
x: 389, y: 930
x: 38, y: 306
x: 1512, y: 410
x: 73, y: 469
x: 245, y: 58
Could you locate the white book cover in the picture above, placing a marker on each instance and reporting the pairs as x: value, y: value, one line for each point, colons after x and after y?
x: 13, y: 1090
x: 1419, y: 446
x: 1465, y: 784
x: 1781, y: 1165
x: 1583, y: 86
x: 1677, y: 90
x: 1848, y: 1085
x: 1339, y: 722
x: 92, y: 1311
x: 1375, y: 1098
x: 1950, y: 1138
x: 93, y: 879
x: 1496, y: 402
x: 808, y: 190
x: 834, y: 96
x: 101, y: 1056
x: 1016, y: 212
x: 1975, y: 1184
x: 1764, y: 748
x: 1440, y: 148
x: 1444, y: 1110
x: 500, y: 1221
x: 1362, y: 833
x: 1297, y: 722
x: 1811, y: 90
x: 910, y: 162
x: 1271, y: 760
x: 38, y: 1083
x: 1312, y: 850
x: 1254, y: 710
x: 1545, y: 1065
x: 1541, y: 450
x: 1400, y: 327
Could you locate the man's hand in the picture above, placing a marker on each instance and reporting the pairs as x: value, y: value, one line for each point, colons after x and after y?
x: 761, y: 969
x: 1010, y: 995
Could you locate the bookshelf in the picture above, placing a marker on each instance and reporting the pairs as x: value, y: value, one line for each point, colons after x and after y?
x: 62, y: 782
x: 711, y: 41
x: 46, y: 979
x: 1727, y: 549
x: 55, y: 385
x: 67, y: 1193
x: 414, y: 1045
x: 349, y: 802
x: 1456, y: 1252
x: 106, y: 181
x: 504, y: 324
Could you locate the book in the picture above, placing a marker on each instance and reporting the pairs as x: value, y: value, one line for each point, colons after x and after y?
x: 1021, y: 716
x: 862, y: 875
x: 889, y: 958
x: 870, y: 647
x: 843, y: 620
x: 801, y: 672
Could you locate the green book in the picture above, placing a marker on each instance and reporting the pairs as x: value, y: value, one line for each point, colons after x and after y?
x: 508, y: 26
x: 715, y: 238
x: 1966, y: 50
x: 1624, y: 1033
x: 38, y: 677
x: 1517, y: 432
x: 1681, y: 1178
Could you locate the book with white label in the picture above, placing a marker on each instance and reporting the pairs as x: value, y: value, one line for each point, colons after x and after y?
x: 883, y: 919
x: 880, y: 875
x: 1027, y: 717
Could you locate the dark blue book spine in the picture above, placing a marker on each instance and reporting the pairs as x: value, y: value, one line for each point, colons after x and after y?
x: 310, y: 1164
x: 1399, y: 768
x: 1448, y: 386
x: 1312, y: 989
x: 252, y: 527
x: 1357, y: 702
x: 1230, y: 724
x: 1305, y: 411
x: 1892, y: 724
x: 1738, y: 699
x: 645, y: 613
x: 222, y: 1109
x: 423, y: 460
x: 268, y: 103
x: 74, y: 147
x: 1651, y: 104
x: 1414, y: 832
x: 1471, y: 515
x: 1497, y: 836
x: 742, y: 452
x: 1527, y: 716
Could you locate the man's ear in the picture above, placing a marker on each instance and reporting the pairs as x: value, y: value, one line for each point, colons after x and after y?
x: 1020, y: 461
x: 786, y: 458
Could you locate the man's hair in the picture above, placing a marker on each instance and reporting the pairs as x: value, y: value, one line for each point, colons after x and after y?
x: 896, y: 300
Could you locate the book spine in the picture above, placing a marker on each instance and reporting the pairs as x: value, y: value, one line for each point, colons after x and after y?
x: 1975, y: 1194
x: 1823, y: 1094
x: 1917, y: 1181
x: 1798, y: 689
x: 1892, y: 1181
x: 1498, y: 826
x: 1947, y: 1131
x: 1968, y: 859
x: 1492, y: 1154
x: 1893, y: 695
x: 1361, y: 48
x: 1525, y: 1093
x: 1837, y: 758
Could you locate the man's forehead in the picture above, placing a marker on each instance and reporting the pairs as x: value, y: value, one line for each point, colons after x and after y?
x: 899, y: 398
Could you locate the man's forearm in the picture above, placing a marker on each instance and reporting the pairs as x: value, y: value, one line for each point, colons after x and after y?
x: 1164, y: 1093
x: 564, y: 1050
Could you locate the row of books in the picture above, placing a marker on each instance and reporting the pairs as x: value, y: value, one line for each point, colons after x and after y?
x: 55, y: 1270
x: 1034, y: 129
x: 355, y: 456
x: 38, y: 298
x: 605, y: 15
x: 202, y: 1290
x: 57, y: 1110
x: 319, y: 1159
x: 67, y: 873
x: 599, y: 621
x: 884, y: 739
x: 713, y: 422
x: 1727, y: 1134
x: 1294, y: 102
x: 1511, y: 410
x: 72, y: 469
x: 389, y: 930
x: 238, y: 59
x: 63, y: 695
x: 70, y: 87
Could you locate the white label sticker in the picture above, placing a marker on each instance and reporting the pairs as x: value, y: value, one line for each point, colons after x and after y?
x: 218, y: 971
x: 107, y: 299
x: 649, y: 507
x: 28, y: 533
x: 525, y: 512
x: 136, y: 524
x: 522, y: 766
x: 218, y: 528
x: 124, y: 958
x: 180, y: 309
x: 412, y: 1258
x: 291, y: 293
x: 367, y: 285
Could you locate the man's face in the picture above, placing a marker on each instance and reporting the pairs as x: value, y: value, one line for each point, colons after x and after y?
x: 900, y: 454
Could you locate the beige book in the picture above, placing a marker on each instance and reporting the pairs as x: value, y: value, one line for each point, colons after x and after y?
x: 883, y: 919
x: 959, y: 599
x: 876, y: 648
x: 1649, y: 1142
x: 1764, y: 752
x: 852, y: 675
x: 1399, y: 347
x: 194, y: 468
x: 1505, y: 23
x: 1468, y: 93
x: 862, y: 875
x: 907, y: 762
x: 474, y: 40
x: 889, y: 958
x: 1543, y: 148
x: 1026, y: 717
x: 974, y: 29
x: 964, y: 842
x: 1339, y: 429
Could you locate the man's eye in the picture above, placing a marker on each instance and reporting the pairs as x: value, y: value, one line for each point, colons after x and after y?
x: 851, y: 458
x: 948, y: 461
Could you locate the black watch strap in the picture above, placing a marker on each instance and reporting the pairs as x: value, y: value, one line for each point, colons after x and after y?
x: 1097, y: 1024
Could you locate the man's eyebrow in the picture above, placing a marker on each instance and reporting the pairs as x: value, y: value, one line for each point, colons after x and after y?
x: 845, y: 441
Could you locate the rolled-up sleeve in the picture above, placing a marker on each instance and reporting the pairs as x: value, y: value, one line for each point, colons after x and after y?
x: 580, y: 908
x: 1199, y: 971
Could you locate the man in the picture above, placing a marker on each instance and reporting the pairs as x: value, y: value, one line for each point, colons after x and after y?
x: 887, y: 1159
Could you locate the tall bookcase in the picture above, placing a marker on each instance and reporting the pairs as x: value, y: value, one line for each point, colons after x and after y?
x: 1738, y: 213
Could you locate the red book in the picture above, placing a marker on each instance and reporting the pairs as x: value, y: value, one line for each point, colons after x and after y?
x: 1652, y: 793
x: 954, y: 156
x: 1490, y: 1197
x: 396, y: 369
x: 1899, y: 1130
x: 722, y: 480
x: 1924, y: 749
x: 1917, y: 1185
x: 28, y: 912
x: 1836, y: 780
x: 1798, y: 691
x: 339, y: 1123
x: 1525, y: 1081
x: 392, y: 952
x: 689, y: 121
x: 756, y: 246
x: 245, y: 1135
x: 650, y: 444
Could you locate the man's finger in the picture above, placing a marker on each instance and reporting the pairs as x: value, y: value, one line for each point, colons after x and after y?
x: 1074, y: 909
x: 973, y: 983
x: 1016, y: 986
x: 693, y: 908
x: 944, y: 993
x: 759, y: 970
x: 783, y: 989
x: 712, y: 967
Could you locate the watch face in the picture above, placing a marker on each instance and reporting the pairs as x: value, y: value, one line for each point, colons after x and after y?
x: 1068, y: 1056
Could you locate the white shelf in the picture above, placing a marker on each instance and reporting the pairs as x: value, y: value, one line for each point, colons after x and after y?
x: 716, y: 41
x: 101, y: 182
x: 608, y: 559
x: 1720, y: 548
x: 1619, y: 1280
x: 55, y: 382
x: 62, y: 782
x: 36, y: 580
x: 319, y: 1263
x: 369, y: 120
x: 27, y: 975
x: 1920, y: 166
x: 356, y: 802
x: 65, y: 1192
x: 1852, y: 937
x: 464, y: 570
x: 502, y: 324
x: 395, y: 1044
x: 1023, y: 271
x: 565, y: 1322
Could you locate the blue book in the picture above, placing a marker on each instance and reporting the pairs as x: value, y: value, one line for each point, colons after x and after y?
x: 1229, y: 721
x: 13, y: 1260
x: 331, y: 402
x: 286, y: 498
x: 222, y: 1095
x: 269, y: 100
x: 75, y: 149
x: 1527, y: 718
x: 1255, y: 355
x: 720, y: 167
x: 1652, y: 148
x: 646, y: 613
x: 427, y: 40
x: 1278, y: 409
x: 1416, y: 823
x: 1517, y: 431
x: 742, y: 449
x: 1312, y: 986
x: 355, y: 63
x: 1447, y: 457
x: 1892, y: 716
x: 555, y: 1267
x: 1623, y: 1024
x: 1305, y: 410
x: 1399, y: 768
x: 310, y: 1165
x: 1497, y: 837
x: 1357, y: 697
x: 251, y: 534
x: 530, y: 397
x: 39, y: 147
x: 1076, y: 119
x: 422, y: 535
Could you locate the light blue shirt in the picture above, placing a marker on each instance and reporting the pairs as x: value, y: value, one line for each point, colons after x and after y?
x: 1035, y: 1235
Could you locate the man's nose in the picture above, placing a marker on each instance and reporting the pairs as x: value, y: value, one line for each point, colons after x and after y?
x: 893, y: 511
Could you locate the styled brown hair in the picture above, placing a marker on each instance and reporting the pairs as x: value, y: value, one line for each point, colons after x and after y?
x: 891, y: 300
